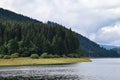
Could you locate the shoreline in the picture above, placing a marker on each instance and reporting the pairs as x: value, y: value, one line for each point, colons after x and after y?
x: 41, y: 61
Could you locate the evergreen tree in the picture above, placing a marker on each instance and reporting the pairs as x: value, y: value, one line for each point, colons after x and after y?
x: 12, y: 46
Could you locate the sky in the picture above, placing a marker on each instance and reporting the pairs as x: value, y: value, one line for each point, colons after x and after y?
x: 98, y: 20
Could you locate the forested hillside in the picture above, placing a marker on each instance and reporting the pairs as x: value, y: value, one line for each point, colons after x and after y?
x: 92, y: 49
x: 26, y: 36
x: 117, y: 50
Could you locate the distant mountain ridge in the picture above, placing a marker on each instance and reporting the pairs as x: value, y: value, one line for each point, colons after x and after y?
x: 109, y: 46
x: 90, y: 48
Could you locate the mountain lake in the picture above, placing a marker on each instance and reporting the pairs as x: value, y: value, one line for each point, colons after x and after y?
x: 98, y: 69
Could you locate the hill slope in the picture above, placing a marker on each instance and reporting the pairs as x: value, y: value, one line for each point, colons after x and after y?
x: 32, y: 36
x: 117, y: 50
x: 20, y: 34
x: 9, y: 15
x: 92, y: 49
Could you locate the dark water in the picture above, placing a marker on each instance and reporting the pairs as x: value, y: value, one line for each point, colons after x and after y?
x: 99, y: 69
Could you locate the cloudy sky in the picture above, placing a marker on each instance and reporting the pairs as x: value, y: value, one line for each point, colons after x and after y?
x: 99, y: 20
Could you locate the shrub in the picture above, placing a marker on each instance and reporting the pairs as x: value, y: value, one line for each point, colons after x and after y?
x: 15, y: 55
x: 56, y: 56
x: 73, y: 55
x: 1, y: 56
x: 6, y: 57
x: 64, y: 56
x: 50, y: 56
x: 34, y: 56
x: 70, y: 55
x: 44, y: 55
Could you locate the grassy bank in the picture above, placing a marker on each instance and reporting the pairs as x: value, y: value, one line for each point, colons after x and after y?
x: 29, y: 61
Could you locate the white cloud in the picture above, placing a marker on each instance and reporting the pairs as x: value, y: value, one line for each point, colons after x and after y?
x: 84, y: 16
x: 108, y: 34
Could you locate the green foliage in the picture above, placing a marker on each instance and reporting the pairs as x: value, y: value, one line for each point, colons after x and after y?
x: 64, y: 56
x: 1, y: 56
x: 56, y: 56
x: 91, y: 49
x: 37, y: 38
x: 6, y: 57
x: 71, y: 55
x: 34, y: 56
x: 3, y: 49
x: 20, y: 34
x: 44, y: 55
x: 12, y: 46
x: 15, y: 55
x: 24, y: 35
x: 53, y: 56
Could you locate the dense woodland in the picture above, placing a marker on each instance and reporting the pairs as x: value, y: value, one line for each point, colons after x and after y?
x: 29, y: 37
x: 26, y: 36
x: 117, y: 50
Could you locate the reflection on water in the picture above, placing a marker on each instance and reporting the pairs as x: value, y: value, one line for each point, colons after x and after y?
x: 98, y: 69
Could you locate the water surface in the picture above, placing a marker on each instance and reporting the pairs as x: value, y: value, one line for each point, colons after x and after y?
x: 98, y: 69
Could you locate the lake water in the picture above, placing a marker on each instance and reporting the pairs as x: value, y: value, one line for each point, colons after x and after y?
x: 98, y: 69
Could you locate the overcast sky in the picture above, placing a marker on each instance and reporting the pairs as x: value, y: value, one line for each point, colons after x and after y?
x: 99, y: 20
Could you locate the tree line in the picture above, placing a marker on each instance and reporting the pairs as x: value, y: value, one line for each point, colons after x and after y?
x: 28, y: 38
